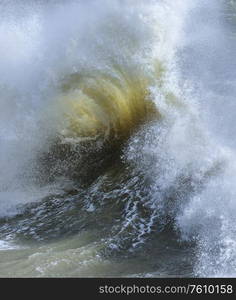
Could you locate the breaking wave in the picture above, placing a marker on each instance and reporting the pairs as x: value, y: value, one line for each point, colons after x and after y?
x: 109, y: 147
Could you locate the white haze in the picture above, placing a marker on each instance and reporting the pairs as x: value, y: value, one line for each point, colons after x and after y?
x: 42, y: 43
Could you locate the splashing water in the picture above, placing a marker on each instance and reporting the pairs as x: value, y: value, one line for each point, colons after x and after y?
x: 117, y: 149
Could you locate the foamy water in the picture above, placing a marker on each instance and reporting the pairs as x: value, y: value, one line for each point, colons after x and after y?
x: 117, y: 148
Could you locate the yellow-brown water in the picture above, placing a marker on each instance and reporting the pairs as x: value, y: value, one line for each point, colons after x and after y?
x: 117, y: 148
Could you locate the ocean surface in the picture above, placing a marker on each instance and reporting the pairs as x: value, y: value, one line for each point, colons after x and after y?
x: 118, y: 138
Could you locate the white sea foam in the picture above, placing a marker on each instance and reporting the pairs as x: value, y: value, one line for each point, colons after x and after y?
x: 184, y: 153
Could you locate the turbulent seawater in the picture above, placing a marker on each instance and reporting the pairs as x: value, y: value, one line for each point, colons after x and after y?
x: 117, y: 138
